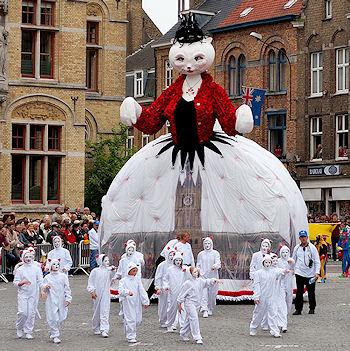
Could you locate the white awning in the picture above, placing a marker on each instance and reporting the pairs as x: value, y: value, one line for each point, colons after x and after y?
x: 339, y: 194
x: 311, y: 194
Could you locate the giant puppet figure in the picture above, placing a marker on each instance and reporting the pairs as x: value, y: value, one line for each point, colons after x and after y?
x: 203, y: 177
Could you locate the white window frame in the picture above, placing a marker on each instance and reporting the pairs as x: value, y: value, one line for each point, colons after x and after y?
x: 130, y: 140
x: 313, y: 135
x: 169, y: 74
x: 145, y: 139
x: 319, y: 71
x: 138, y: 88
x: 342, y: 69
x: 328, y: 9
x: 341, y: 128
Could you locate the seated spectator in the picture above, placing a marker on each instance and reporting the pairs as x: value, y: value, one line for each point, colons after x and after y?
x: 44, y: 227
x: 55, y: 231
x: 57, y: 215
x: 68, y: 234
x: 78, y: 213
x: 77, y: 232
x: 66, y: 214
x: 85, y: 230
x: 12, y: 257
x: 86, y: 214
x: 29, y: 237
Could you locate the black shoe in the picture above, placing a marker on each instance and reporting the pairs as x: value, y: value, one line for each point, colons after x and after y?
x: 312, y: 312
x: 296, y: 313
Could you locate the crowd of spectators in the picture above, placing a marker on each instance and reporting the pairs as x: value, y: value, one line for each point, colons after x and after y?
x: 17, y: 234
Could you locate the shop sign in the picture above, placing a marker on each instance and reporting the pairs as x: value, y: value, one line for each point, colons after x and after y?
x: 331, y: 170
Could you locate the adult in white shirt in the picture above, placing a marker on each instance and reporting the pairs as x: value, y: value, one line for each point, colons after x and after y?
x: 185, y: 248
x: 307, y: 266
x: 94, y: 247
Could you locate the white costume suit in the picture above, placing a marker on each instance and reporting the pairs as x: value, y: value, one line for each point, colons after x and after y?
x: 58, y: 293
x: 285, y: 298
x: 28, y: 295
x: 100, y: 280
x: 132, y: 305
x: 63, y: 255
x: 136, y: 257
x: 159, y: 283
x: 264, y: 291
x: 209, y: 263
x: 190, y: 295
x: 173, y: 281
x: 257, y: 259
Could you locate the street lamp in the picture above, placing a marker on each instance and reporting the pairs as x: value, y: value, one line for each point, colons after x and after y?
x: 259, y: 37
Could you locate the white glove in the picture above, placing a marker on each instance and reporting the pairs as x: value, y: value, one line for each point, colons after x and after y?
x: 244, y: 119
x: 130, y: 111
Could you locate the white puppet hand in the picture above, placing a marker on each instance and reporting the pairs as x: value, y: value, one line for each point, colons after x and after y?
x: 130, y: 111
x: 244, y: 119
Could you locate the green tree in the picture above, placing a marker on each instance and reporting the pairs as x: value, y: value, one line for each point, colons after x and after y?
x: 105, y: 158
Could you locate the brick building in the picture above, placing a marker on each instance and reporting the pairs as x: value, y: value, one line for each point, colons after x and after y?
x: 324, y: 106
x: 62, y: 82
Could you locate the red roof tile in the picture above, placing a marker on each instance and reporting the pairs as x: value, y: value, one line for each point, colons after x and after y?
x: 262, y: 10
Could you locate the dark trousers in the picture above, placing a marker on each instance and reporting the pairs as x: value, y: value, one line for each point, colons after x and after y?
x: 334, y: 248
x: 301, y: 282
x: 93, y: 262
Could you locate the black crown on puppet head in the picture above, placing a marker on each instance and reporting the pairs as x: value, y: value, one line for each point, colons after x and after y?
x: 189, y: 31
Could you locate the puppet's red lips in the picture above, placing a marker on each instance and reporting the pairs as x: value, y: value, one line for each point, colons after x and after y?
x: 189, y: 71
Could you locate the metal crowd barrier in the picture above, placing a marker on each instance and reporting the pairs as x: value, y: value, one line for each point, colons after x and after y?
x: 80, y: 254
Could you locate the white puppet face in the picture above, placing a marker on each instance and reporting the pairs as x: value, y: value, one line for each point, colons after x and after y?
x: 267, y: 263
x: 105, y: 261
x: 178, y: 262
x: 285, y: 253
x: 55, y: 266
x: 131, y: 242
x: 265, y: 246
x: 171, y: 256
x: 274, y: 259
x: 28, y: 257
x: 192, y: 59
x: 57, y: 242
x: 195, y: 273
x: 130, y: 249
x: 207, y: 244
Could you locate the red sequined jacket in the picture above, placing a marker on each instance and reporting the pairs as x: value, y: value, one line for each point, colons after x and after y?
x: 211, y: 102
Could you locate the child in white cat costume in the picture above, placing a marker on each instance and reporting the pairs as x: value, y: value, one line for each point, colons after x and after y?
x: 209, y: 263
x: 59, y: 252
x: 56, y: 291
x: 28, y: 279
x: 99, y: 284
x: 190, y: 296
x: 133, y: 296
x: 265, y: 280
x: 159, y: 284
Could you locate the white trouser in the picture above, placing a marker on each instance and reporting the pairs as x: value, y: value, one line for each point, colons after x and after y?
x: 209, y: 298
x: 54, y: 328
x: 162, y: 308
x: 191, y: 323
x: 289, y: 300
x: 100, y: 317
x: 282, y: 312
x: 130, y: 329
x: 26, y: 316
x: 265, y: 308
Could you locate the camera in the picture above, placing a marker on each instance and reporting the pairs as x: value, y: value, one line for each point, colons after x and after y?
x: 311, y: 262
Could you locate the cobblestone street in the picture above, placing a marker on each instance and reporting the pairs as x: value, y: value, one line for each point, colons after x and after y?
x: 227, y: 330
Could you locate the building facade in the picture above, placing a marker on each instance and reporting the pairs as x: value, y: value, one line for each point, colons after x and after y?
x: 324, y: 106
x: 63, y: 65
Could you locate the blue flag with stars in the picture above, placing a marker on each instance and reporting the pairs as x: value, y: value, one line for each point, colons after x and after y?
x: 254, y: 98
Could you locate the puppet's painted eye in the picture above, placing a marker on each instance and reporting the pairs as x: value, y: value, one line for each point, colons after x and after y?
x: 198, y: 58
x: 180, y: 59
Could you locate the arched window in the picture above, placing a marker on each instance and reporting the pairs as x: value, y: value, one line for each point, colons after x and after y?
x: 272, y: 71
x: 241, y: 73
x: 232, y: 76
x: 282, y: 66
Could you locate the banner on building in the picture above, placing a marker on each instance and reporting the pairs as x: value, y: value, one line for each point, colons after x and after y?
x: 254, y: 98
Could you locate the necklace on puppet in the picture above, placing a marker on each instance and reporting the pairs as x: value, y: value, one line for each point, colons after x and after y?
x: 190, y: 90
